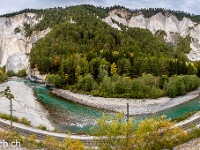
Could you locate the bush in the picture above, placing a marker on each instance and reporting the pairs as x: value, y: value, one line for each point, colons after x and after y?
x: 107, y: 85
x: 163, y: 79
x: 144, y: 87
x: 10, y: 73
x: 22, y: 73
x: 56, y: 80
x: 151, y: 133
x: 3, y: 76
x: 123, y: 85
x: 17, y: 30
x: 179, y: 85
x: 172, y: 91
x: 42, y: 127
x: 86, y: 83
x: 25, y: 121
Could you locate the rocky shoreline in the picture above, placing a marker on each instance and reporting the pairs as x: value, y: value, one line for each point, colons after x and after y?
x: 136, y: 106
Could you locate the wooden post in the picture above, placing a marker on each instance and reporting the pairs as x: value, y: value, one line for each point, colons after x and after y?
x: 127, y: 112
x: 11, y: 111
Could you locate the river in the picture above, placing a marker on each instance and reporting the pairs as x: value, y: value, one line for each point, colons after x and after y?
x: 66, y: 115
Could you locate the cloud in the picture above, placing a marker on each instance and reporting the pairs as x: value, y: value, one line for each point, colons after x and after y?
x: 190, y: 6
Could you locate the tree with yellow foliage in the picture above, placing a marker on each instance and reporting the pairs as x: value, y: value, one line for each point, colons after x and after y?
x: 3, y: 76
x: 151, y: 133
x: 113, y: 69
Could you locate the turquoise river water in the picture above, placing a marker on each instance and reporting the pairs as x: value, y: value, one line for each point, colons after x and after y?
x: 66, y: 115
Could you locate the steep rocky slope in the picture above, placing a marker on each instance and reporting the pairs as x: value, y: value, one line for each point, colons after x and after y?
x: 14, y: 47
x: 174, y: 28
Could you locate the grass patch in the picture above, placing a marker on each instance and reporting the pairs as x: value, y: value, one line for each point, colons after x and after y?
x: 184, y: 116
x: 42, y: 127
x: 15, y: 119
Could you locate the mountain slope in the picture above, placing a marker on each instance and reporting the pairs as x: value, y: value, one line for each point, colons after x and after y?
x: 175, y: 29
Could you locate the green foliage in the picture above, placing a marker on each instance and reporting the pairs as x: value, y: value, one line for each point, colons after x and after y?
x: 22, y: 73
x: 183, y: 45
x: 28, y: 30
x: 184, y: 116
x: 17, y: 30
x: 151, y: 133
x: 148, y: 12
x: 145, y: 87
x: 42, y: 127
x: 179, y: 85
x: 15, y: 119
x: 10, y: 73
x: 25, y: 121
x: 86, y: 83
x: 123, y: 85
x: 56, y: 80
x: 162, y: 81
x: 3, y: 76
x: 50, y: 143
x: 98, y: 58
x: 106, y: 86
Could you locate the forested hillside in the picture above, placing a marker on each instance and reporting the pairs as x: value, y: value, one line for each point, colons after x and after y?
x: 86, y: 54
x: 148, y: 12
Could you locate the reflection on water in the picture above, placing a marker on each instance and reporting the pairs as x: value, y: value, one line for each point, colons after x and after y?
x: 67, y: 115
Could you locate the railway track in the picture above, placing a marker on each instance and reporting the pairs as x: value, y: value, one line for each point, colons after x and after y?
x: 42, y: 136
x: 187, y: 125
x: 88, y: 141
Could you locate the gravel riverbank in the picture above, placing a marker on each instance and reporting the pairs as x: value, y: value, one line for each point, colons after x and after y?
x: 24, y: 104
x: 136, y: 106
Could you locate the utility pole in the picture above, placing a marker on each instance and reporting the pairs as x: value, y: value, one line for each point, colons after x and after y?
x: 11, y: 112
x: 10, y: 96
x: 127, y: 112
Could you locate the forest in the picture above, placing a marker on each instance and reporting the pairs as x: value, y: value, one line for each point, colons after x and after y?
x: 89, y: 56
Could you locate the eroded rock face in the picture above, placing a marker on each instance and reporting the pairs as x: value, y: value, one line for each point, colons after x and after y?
x: 14, y: 44
x: 170, y: 24
x: 17, y: 61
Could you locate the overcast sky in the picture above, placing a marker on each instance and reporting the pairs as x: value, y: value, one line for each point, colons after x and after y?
x: 191, y: 6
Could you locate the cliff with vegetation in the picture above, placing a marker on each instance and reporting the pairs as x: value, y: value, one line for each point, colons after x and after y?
x: 173, y: 29
x: 16, y: 40
x: 85, y: 52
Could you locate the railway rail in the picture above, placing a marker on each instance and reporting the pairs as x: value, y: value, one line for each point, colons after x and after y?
x: 41, y: 135
x: 88, y: 140
x: 189, y: 124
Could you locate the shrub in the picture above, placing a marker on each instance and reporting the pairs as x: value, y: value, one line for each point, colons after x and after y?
x: 151, y: 133
x: 56, y: 80
x: 3, y: 76
x: 22, y: 73
x: 179, y: 85
x: 107, y: 85
x: 17, y: 30
x: 163, y: 79
x: 123, y: 85
x: 10, y: 73
x: 42, y: 127
x: 86, y: 83
x: 25, y: 121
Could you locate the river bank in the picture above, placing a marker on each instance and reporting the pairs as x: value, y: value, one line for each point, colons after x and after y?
x: 24, y: 104
x: 136, y: 106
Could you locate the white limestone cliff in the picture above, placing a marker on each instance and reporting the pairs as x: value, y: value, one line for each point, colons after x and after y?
x: 14, y: 46
x: 169, y: 23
